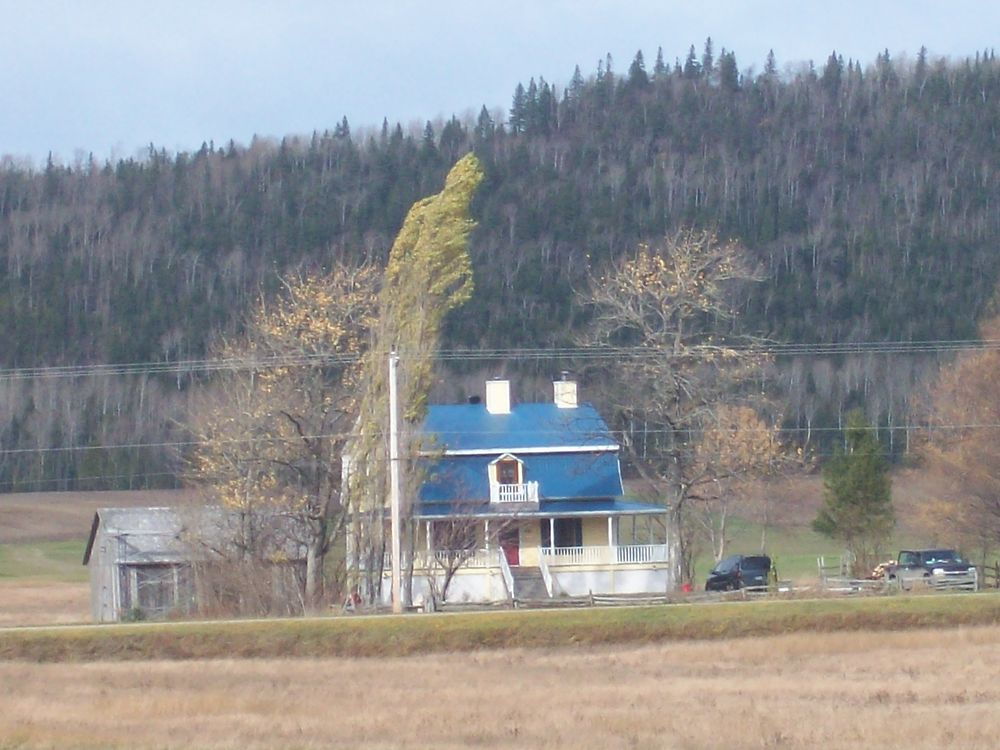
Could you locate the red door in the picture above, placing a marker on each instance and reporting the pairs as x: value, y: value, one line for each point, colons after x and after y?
x: 510, y: 543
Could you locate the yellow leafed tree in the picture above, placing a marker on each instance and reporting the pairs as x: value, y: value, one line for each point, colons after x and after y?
x: 270, y: 435
x: 963, y: 448
x: 737, y: 447
x: 429, y: 274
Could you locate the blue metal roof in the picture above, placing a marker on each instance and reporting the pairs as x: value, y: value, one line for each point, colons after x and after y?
x: 470, y: 427
x: 560, y: 476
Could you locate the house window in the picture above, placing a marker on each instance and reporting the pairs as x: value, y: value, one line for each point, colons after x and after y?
x: 508, y: 472
x: 454, y: 535
x: 569, y: 532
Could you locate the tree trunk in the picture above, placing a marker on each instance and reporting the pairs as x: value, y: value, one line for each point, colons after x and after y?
x: 314, y: 567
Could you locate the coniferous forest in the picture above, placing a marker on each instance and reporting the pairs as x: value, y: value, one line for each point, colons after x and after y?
x: 868, y: 193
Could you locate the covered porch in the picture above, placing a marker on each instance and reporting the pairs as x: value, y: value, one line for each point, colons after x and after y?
x: 573, y: 547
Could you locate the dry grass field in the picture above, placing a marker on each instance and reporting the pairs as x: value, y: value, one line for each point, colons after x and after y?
x: 42, y: 538
x: 63, y: 516
x: 43, y: 603
x: 923, y: 689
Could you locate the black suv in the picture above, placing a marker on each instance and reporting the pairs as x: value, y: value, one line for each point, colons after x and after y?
x: 739, y: 571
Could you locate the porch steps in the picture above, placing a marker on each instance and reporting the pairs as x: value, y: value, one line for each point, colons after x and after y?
x: 528, y: 583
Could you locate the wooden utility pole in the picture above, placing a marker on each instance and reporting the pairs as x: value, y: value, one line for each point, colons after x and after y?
x: 397, y: 551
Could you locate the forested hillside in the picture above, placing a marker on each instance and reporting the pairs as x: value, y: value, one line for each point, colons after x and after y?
x: 867, y: 192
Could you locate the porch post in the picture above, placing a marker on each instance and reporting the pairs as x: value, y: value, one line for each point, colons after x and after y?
x: 552, y: 535
x: 427, y: 529
x: 486, y: 533
x: 611, y: 535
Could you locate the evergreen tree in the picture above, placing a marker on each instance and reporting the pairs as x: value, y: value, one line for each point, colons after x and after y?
x: 544, y: 107
x: 833, y: 73
x: 485, y: 127
x: 531, y: 108
x: 430, y: 141
x: 771, y: 66
x: 691, y: 67
x: 857, y: 495
x: 518, y: 110
x: 708, y: 59
x: 729, y: 74
x: 659, y: 67
x: 576, y: 84
x: 637, y: 77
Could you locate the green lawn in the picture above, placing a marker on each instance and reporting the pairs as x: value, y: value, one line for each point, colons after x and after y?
x: 49, y: 561
x: 794, y: 550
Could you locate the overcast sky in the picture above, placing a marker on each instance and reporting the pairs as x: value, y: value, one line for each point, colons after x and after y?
x: 110, y: 76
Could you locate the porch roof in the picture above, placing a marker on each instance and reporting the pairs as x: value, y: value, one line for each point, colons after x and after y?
x: 550, y: 509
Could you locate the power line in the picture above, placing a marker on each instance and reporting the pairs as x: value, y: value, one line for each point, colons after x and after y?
x: 209, y: 365
x: 11, y: 484
x: 683, y: 433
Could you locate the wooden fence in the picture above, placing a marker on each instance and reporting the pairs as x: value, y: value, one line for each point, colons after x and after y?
x: 989, y: 576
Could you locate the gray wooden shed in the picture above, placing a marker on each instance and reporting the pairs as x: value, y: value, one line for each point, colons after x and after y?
x: 139, y: 564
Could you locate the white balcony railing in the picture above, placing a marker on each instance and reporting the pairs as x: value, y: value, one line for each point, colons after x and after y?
x: 514, y: 493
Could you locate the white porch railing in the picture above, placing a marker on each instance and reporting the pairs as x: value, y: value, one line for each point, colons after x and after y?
x: 641, y: 553
x: 543, y: 566
x: 479, y: 558
x: 427, y: 559
x: 577, y: 555
x: 508, y: 577
x: 622, y: 554
x: 514, y: 493
x: 629, y: 554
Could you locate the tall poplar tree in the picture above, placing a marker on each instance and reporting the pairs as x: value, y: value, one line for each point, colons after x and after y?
x: 428, y: 275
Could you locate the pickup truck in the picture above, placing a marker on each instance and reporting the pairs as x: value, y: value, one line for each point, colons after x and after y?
x: 936, y: 567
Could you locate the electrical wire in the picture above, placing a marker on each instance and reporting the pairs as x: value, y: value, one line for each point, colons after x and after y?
x: 209, y: 365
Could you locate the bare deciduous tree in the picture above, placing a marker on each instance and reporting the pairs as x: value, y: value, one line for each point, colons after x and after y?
x: 455, y: 541
x: 675, y: 300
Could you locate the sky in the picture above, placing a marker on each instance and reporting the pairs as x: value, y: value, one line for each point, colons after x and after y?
x: 109, y: 77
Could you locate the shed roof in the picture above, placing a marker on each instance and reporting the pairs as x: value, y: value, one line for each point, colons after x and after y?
x: 165, y: 535
x: 152, y: 534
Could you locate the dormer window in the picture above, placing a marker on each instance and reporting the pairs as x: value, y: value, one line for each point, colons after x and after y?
x: 508, y: 471
x: 508, y: 483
